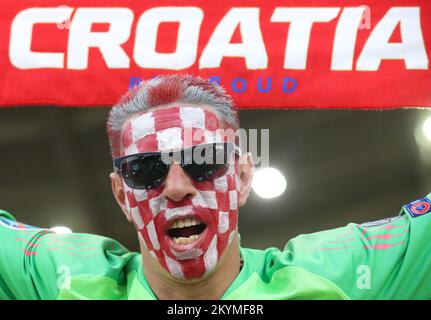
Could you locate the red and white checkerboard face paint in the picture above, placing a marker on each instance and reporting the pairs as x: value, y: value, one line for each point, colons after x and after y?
x: 215, y: 204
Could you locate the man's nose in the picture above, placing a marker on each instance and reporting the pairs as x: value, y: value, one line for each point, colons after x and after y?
x: 178, y: 185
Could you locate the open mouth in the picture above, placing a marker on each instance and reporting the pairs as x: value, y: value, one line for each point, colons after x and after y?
x: 186, y: 230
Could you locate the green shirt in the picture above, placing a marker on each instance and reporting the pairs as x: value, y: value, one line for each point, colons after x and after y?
x: 386, y: 259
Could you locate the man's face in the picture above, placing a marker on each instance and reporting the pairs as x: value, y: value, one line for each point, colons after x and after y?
x: 186, y: 225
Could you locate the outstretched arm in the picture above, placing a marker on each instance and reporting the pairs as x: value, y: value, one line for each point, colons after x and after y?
x: 385, y: 259
x: 37, y: 263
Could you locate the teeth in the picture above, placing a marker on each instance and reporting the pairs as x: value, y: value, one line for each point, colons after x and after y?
x: 184, y: 223
x: 186, y: 240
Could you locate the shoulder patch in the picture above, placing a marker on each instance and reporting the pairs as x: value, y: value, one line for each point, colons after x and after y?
x: 11, y: 224
x: 419, y: 207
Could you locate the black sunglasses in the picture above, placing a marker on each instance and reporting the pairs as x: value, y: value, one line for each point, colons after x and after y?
x: 149, y: 170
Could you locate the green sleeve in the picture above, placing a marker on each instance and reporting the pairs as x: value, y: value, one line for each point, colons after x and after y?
x: 37, y: 263
x: 385, y: 259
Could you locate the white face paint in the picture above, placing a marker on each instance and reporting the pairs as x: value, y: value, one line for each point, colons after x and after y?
x: 209, y: 198
x: 136, y: 216
x: 140, y: 195
x: 192, y: 117
x: 157, y: 204
x: 170, y: 139
x: 211, y: 256
x: 175, y: 213
x: 174, y: 267
x: 233, y: 195
x: 143, y: 126
x: 221, y: 184
x: 223, y: 221
x: 153, y: 236
x: 198, y: 201
x: 192, y: 254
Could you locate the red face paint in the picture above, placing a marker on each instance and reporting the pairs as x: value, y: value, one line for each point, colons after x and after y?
x: 215, y: 204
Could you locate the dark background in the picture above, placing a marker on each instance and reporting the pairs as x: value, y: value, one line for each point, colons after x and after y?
x: 341, y: 166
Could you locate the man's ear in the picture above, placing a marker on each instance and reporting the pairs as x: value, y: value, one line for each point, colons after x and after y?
x: 246, y: 171
x: 119, y: 193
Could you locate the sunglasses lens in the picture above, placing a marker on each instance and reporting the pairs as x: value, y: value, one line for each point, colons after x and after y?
x: 143, y: 172
x: 203, y: 172
x: 209, y: 162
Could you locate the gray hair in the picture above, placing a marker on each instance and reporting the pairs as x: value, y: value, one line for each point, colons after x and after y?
x: 167, y: 89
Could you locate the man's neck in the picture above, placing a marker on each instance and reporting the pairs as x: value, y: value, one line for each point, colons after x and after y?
x: 211, y: 288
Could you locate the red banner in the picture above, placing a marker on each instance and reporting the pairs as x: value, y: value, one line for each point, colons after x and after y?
x: 282, y: 54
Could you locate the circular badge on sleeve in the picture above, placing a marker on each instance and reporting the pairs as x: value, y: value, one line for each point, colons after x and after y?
x: 418, y: 208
